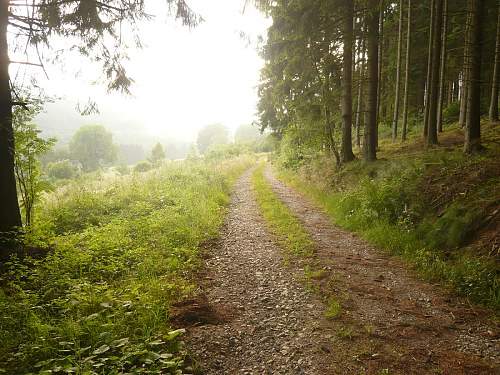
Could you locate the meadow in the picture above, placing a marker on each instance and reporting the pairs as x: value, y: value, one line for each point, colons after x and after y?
x: 109, y: 257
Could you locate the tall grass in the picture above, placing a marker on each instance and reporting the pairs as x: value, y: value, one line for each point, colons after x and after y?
x: 121, y: 252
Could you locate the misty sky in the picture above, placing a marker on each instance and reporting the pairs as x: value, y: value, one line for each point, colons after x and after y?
x: 184, y: 79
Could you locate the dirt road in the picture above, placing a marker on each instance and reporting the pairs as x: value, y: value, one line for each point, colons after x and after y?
x: 256, y: 315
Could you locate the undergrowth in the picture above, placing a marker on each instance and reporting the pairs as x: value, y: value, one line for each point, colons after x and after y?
x: 119, y: 252
x: 425, y: 206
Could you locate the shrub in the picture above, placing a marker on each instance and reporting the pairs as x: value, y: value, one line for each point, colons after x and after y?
x: 143, y: 166
x: 62, y: 170
x: 451, y: 112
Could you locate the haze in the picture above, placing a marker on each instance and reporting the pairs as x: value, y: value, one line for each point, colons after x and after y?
x: 184, y: 79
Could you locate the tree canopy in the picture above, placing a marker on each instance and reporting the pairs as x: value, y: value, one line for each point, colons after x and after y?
x: 92, y: 146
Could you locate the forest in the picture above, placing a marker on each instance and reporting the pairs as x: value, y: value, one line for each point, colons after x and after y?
x: 349, y: 224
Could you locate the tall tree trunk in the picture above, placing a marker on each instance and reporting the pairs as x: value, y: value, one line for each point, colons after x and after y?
x: 361, y: 81
x: 449, y: 97
x: 369, y: 140
x: 380, y: 58
x: 346, y: 150
x: 465, y: 76
x: 10, y: 217
x: 493, y: 112
x: 407, y: 75
x: 429, y: 70
x: 398, y: 74
x: 473, y: 124
x: 442, y: 68
x: 434, y: 86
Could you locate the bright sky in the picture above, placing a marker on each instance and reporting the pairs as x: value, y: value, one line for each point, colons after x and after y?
x: 184, y: 79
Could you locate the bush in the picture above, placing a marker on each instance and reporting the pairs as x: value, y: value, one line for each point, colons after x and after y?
x: 143, y: 166
x: 62, y: 170
x: 451, y: 112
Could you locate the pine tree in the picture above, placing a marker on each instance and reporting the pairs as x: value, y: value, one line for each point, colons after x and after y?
x: 442, y: 68
x: 474, y: 39
x: 346, y: 150
x: 429, y: 68
x: 369, y: 138
x: 407, y: 75
x: 493, y: 111
x: 398, y: 73
x: 434, y: 82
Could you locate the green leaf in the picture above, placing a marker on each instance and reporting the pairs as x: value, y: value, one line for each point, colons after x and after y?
x: 119, y: 343
x: 173, y: 334
x: 102, y: 349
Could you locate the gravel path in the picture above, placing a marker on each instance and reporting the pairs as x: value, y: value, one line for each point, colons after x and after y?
x: 263, y: 320
x: 255, y: 315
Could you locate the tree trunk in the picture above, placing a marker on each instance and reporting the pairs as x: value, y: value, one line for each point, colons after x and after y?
x: 346, y: 151
x: 493, y: 112
x: 359, y: 106
x: 449, y: 97
x: 407, y: 75
x: 429, y: 70
x: 398, y: 74
x: 10, y: 217
x: 380, y: 58
x: 434, y: 86
x: 442, y: 68
x: 465, y: 76
x: 474, y: 39
x: 369, y: 140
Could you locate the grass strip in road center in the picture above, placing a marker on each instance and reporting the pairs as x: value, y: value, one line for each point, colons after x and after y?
x: 281, y: 221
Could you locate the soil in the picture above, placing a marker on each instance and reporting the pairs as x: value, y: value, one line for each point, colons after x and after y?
x: 256, y: 313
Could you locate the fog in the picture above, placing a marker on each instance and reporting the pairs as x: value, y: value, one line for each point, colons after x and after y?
x: 183, y: 79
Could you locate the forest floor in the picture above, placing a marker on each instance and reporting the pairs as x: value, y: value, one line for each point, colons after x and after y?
x: 257, y: 313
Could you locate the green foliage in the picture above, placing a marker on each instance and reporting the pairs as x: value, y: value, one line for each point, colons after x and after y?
x: 93, y: 147
x: 29, y: 147
x: 451, y: 112
x: 280, y: 219
x: 122, y: 169
x: 227, y: 151
x: 212, y: 135
x: 120, y: 251
x: 61, y: 170
x: 143, y: 166
x: 157, y: 154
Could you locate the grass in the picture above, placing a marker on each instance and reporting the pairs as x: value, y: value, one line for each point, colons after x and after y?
x: 333, y: 308
x: 120, y: 251
x: 281, y: 221
x: 426, y: 206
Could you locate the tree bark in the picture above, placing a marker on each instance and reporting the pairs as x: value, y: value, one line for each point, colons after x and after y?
x: 493, y: 112
x: 407, y: 75
x: 10, y: 217
x: 361, y: 81
x: 346, y: 150
x: 398, y: 74
x: 434, y: 83
x: 465, y: 76
x: 380, y: 58
x: 369, y: 140
x: 442, y: 68
x: 429, y: 70
x: 473, y: 123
